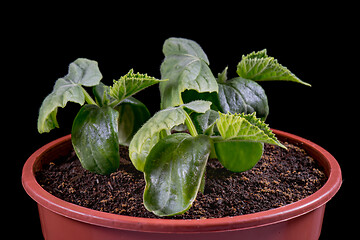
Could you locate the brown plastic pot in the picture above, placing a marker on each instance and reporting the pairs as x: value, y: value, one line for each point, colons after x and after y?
x: 62, y: 220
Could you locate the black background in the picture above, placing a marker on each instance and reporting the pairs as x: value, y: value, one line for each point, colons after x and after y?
x: 315, y: 43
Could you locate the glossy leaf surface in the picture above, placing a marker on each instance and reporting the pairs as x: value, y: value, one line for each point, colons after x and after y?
x: 132, y: 115
x: 152, y: 131
x: 239, y: 95
x: 95, y: 140
x: 173, y: 173
x: 238, y: 156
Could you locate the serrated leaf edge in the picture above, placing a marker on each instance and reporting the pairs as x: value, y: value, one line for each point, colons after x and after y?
x: 271, y: 64
x: 261, y: 127
x: 137, y: 78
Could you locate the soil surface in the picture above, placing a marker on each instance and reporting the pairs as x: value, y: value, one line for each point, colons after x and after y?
x: 279, y: 178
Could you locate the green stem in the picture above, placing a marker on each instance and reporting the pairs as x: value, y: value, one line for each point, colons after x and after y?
x: 115, y: 103
x: 88, y: 98
x: 190, y: 125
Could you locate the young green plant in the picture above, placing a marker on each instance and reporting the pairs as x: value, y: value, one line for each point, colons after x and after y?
x: 101, y: 124
x: 219, y: 114
x: 190, y: 78
x: 174, y: 164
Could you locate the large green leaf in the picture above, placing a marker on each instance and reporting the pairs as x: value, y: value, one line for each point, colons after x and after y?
x: 94, y: 137
x: 258, y: 66
x: 239, y: 95
x: 173, y: 172
x: 152, y: 131
x: 131, y: 83
x: 133, y: 114
x: 82, y: 72
x: 186, y: 67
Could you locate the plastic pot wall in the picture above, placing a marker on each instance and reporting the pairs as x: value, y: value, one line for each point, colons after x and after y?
x: 62, y: 220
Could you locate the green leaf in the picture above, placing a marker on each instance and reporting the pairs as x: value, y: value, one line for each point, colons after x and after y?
x: 240, y: 95
x: 198, y: 106
x: 82, y: 72
x: 152, y: 131
x: 186, y: 67
x: 101, y: 93
x: 258, y: 66
x: 205, y: 122
x: 192, y: 95
x: 130, y: 84
x: 242, y: 137
x: 132, y: 115
x: 248, y: 128
x: 238, y: 156
x: 173, y: 172
x: 94, y: 137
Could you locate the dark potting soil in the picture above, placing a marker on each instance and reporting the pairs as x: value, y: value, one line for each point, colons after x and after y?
x: 281, y: 177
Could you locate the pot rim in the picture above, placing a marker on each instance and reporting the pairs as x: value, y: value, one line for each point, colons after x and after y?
x: 272, y: 216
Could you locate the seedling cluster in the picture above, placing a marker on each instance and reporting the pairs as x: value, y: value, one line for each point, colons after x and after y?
x: 201, y: 116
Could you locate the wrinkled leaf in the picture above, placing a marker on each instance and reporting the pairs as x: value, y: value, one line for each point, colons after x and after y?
x: 238, y: 156
x: 248, y: 128
x: 130, y: 84
x: 132, y: 115
x: 82, y: 72
x: 151, y: 132
x: 258, y: 66
x: 173, y: 172
x: 240, y: 95
x: 94, y: 137
x: 186, y: 67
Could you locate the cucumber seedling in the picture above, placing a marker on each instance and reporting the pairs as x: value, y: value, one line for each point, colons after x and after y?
x: 201, y: 116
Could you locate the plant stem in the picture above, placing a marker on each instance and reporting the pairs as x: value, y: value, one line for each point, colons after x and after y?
x: 115, y: 103
x: 190, y: 125
x: 88, y: 98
